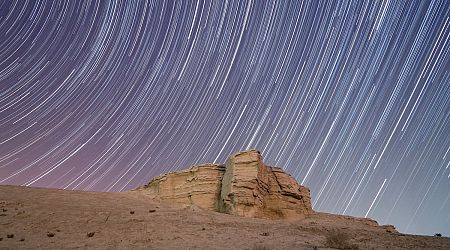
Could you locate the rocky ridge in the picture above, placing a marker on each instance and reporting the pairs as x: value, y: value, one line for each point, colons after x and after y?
x: 244, y: 186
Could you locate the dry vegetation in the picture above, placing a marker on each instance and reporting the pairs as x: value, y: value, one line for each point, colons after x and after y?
x: 339, y: 240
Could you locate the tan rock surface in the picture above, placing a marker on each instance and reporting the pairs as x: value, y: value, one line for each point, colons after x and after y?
x: 198, y: 185
x: 252, y: 189
x: 58, y: 219
x: 240, y: 192
x: 244, y: 187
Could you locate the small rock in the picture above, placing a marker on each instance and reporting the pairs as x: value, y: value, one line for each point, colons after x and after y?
x: 265, y: 234
x: 90, y: 234
x: 50, y: 234
x: 22, y: 239
x: 4, y: 209
x: 57, y: 230
x: 10, y: 236
x: 151, y: 210
x: 131, y: 212
x: 203, y: 228
x: 1, y: 238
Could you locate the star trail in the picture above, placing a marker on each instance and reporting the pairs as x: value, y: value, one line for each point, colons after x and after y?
x: 352, y: 98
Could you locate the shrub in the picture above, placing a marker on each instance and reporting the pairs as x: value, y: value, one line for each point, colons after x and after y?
x: 339, y: 240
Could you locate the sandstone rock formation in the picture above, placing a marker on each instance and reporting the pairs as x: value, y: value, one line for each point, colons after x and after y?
x: 244, y: 187
x: 198, y: 185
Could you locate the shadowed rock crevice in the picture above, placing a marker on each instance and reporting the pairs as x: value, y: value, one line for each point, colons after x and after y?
x: 244, y: 186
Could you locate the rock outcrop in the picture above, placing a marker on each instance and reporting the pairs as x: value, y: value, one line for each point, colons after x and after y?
x: 198, y: 185
x: 244, y: 187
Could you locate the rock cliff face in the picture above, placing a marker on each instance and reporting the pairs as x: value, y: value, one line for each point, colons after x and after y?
x: 244, y: 187
x: 198, y: 185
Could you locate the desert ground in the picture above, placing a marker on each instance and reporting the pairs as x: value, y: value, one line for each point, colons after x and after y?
x: 38, y: 218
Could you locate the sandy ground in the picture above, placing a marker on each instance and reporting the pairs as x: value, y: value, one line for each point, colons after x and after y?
x: 37, y: 218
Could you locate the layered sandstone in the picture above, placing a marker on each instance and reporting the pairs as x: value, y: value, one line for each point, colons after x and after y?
x: 244, y: 186
x: 252, y: 189
x: 198, y: 185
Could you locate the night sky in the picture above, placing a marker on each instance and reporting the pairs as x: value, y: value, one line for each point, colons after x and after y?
x: 352, y: 98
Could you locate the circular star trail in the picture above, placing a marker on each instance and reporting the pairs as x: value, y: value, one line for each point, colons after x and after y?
x: 352, y: 98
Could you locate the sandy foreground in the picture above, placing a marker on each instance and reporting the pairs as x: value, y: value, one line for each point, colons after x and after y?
x: 38, y: 218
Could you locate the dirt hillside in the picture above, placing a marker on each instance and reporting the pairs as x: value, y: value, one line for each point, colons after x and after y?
x: 37, y: 218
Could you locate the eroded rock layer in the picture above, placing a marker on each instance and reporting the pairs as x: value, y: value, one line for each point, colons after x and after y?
x: 244, y: 187
x: 198, y: 185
